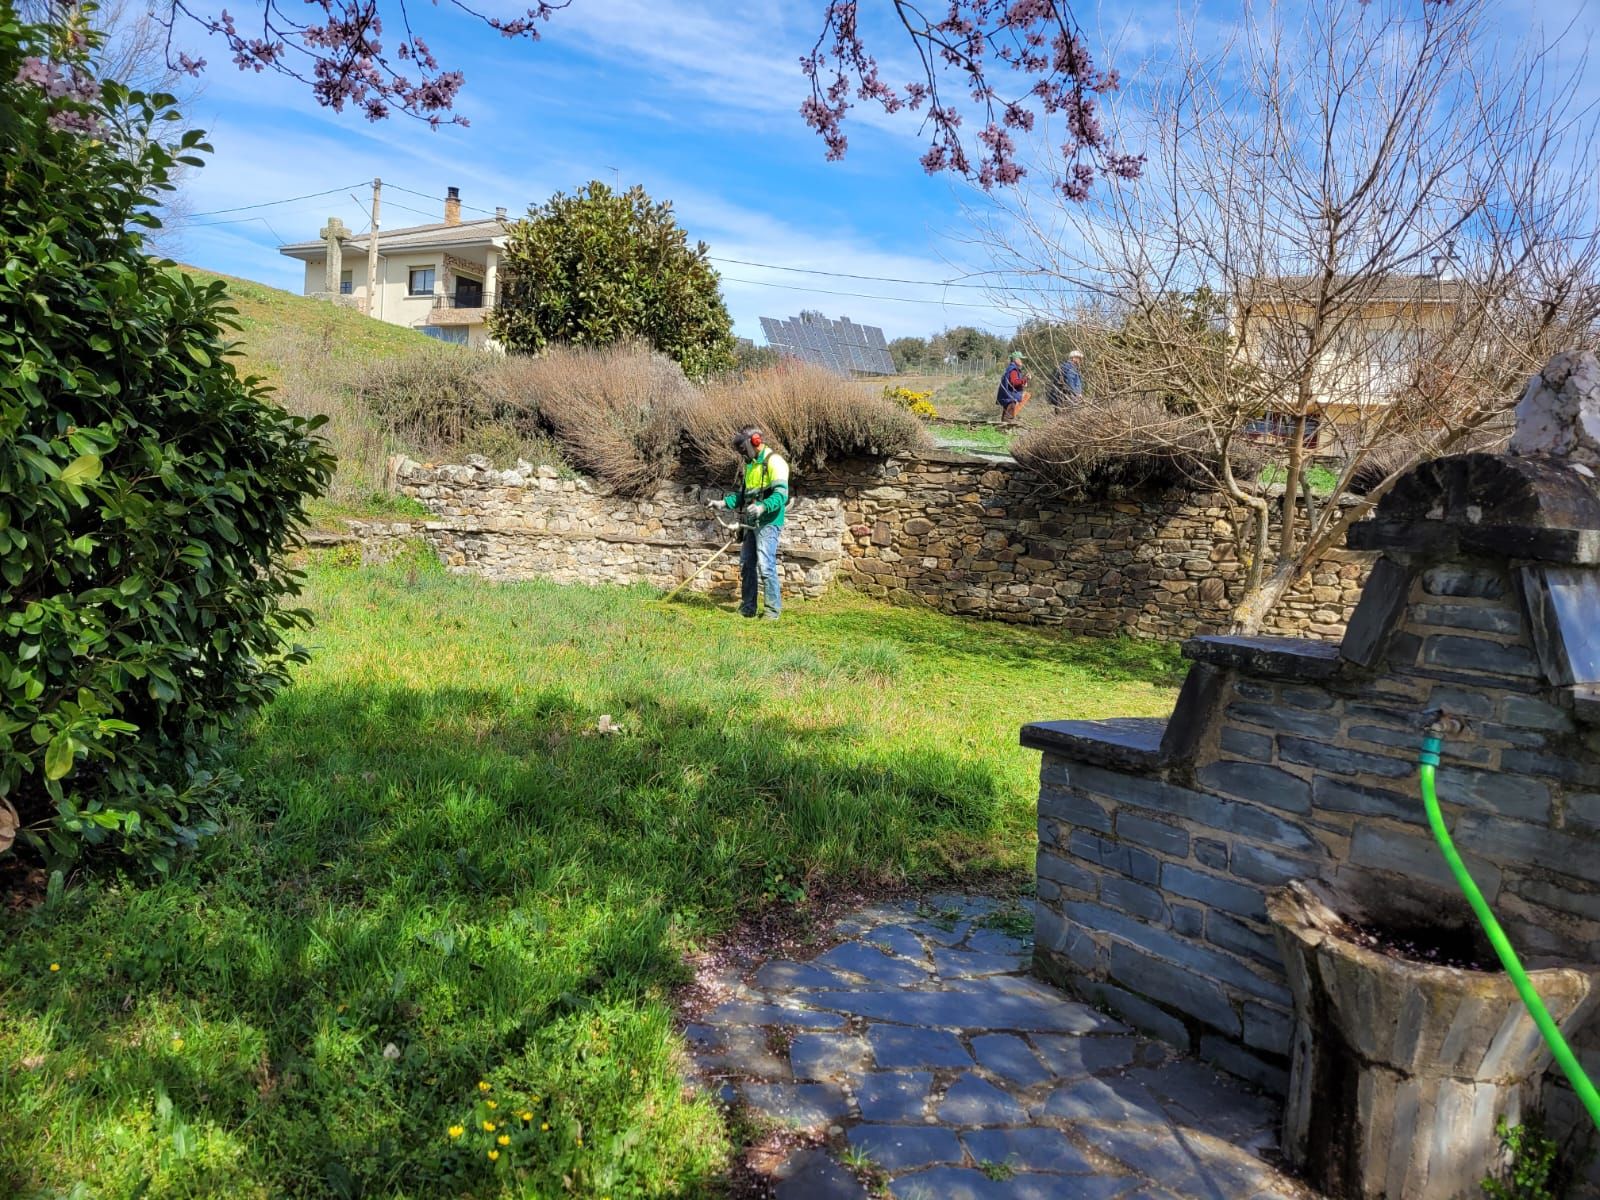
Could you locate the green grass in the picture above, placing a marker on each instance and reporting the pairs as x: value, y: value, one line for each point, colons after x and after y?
x: 327, y: 513
x: 439, y: 873
x: 978, y: 439
x: 1322, y: 479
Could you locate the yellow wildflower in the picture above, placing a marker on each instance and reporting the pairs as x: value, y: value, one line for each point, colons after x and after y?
x: 504, y: 1139
x: 177, y: 1044
x: 457, y: 1130
x: 55, y: 966
x: 491, y: 1104
x: 494, y: 1155
x: 527, y: 1116
x: 545, y: 1126
x: 488, y: 1126
x: 483, y: 1085
x: 580, y: 1140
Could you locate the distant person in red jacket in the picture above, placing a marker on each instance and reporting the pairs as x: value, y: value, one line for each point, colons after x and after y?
x: 1012, y: 393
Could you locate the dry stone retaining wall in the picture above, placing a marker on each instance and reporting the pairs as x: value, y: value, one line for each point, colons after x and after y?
x: 529, y: 522
x: 971, y: 536
x: 964, y: 535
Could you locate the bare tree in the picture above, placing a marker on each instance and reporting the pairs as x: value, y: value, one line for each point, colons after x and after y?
x: 1392, y: 223
x: 132, y: 49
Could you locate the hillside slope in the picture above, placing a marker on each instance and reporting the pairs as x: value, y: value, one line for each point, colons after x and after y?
x: 279, y: 331
x: 310, y: 351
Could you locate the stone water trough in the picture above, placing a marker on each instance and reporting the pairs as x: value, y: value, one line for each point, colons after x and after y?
x: 1197, y: 876
x: 1401, y: 1070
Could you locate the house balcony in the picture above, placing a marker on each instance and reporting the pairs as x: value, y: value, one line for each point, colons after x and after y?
x: 463, y: 308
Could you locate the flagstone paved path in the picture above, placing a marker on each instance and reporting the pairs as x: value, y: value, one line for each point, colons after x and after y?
x: 921, y: 1043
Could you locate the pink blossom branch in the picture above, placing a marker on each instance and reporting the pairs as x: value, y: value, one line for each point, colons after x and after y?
x: 1036, y: 40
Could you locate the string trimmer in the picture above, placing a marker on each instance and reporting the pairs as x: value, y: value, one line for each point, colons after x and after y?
x: 735, y: 525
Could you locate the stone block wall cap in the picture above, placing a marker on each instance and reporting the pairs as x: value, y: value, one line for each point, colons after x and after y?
x: 956, y: 458
x: 1267, y: 657
x: 1128, y: 743
x: 1481, y: 491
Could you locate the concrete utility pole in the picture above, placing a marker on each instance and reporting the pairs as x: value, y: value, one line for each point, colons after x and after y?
x: 372, y: 251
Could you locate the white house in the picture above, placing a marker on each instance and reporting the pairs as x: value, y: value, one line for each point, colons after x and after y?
x: 437, y: 278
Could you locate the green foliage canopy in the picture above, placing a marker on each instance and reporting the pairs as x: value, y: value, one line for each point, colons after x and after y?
x: 602, y: 267
x: 909, y: 353
x: 146, y: 490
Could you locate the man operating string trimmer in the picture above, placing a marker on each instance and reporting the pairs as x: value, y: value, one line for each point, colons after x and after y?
x: 761, y: 499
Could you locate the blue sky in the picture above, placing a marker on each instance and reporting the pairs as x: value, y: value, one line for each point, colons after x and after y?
x: 697, y: 102
x: 694, y: 99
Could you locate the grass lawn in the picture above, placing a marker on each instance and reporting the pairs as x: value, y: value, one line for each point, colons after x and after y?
x: 1322, y: 479
x: 438, y: 873
x: 979, y: 439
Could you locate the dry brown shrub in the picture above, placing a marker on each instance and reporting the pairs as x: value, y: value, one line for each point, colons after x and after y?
x: 1115, y: 446
x: 616, y: 412
x: 811, y: 415
x: 426, y: 399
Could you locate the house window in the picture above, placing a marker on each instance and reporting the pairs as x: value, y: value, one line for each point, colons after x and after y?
x: 1279, y: 427
x: 469, y: 293
x: 346, y: 283
x: 456, y: 334
x: 421, y: 281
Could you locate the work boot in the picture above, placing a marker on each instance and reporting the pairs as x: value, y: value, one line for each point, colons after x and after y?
x: 769, y: 615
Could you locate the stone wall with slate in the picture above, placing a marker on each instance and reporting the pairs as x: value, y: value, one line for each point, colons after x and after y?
x: 1289, y: 759
x: 967, y: 536
x: 973, y: 536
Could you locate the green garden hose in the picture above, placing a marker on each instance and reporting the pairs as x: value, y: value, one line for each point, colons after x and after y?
x: 1428, y: 761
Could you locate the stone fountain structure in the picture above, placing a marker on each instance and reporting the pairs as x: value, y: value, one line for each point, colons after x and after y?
x: 1163, y: 844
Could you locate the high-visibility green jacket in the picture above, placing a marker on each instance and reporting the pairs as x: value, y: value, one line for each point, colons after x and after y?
x: 764, y: 481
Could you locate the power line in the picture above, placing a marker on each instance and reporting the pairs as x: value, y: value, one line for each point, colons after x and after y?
x: 743, y: 262
x: 790, y: 287
x: 270, y: 203
x: 425, y: 196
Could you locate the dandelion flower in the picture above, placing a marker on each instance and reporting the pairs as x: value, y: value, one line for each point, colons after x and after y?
x: 527, y: 1116
x: 494, y: 1155
x: 504, y: 1139
x: 457, y: 1130
x: 545, y: 1126
x: 483, y: 1085
x: 55, y: 966
x: 491, y: 1104
x: 488, y: 1126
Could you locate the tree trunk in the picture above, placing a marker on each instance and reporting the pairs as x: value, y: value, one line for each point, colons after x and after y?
x: 1258, y: 602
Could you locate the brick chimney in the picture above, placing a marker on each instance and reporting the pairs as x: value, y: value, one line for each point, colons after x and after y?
x: 452, y: 206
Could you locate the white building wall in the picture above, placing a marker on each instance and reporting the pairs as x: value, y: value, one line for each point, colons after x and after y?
x: 394, y: 302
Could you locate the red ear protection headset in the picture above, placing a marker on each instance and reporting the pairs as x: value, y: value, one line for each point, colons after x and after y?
x: 755, y: 441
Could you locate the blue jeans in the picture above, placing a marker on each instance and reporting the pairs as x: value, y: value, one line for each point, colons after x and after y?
x: 758, y: 554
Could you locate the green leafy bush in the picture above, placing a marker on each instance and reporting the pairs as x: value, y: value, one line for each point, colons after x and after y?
x: 603, y: 267
x: 146, y: 490
x: 1535, y: 1166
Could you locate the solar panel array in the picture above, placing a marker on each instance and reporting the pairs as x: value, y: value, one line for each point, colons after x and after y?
x: 841, y: 345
